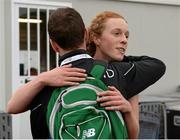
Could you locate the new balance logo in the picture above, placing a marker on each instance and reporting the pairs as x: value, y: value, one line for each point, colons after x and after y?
x: 88, y: 133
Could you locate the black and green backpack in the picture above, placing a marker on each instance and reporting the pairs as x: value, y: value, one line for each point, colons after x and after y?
x: 73, y: 112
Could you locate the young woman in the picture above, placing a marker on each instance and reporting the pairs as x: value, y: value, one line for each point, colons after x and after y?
x: 108, y: 39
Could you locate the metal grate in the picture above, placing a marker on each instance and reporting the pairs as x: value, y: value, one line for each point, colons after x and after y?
x: 5, y: 126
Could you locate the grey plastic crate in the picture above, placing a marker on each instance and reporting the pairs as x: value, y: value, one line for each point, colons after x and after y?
x: 151, y: 120
x: 5, y: 126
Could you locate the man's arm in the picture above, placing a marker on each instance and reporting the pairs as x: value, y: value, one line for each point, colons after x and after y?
x: 61, y: 76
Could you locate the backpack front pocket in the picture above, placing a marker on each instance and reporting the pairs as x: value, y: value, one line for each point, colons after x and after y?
x: 86, y: 123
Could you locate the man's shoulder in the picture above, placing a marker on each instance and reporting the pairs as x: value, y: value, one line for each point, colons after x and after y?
x: 42, y: 97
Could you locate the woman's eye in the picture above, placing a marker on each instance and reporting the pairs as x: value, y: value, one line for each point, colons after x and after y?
x: 127, y: 35
x: 116, y: 33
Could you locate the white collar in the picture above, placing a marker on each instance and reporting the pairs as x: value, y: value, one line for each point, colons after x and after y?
x: 74, y: 58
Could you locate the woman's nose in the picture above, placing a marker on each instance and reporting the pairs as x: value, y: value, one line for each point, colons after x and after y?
x: 124, y: 39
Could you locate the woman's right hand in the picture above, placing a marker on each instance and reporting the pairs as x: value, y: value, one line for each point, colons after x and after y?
x: 63, y: 76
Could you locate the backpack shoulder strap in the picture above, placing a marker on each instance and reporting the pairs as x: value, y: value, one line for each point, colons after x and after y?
x: 98, y: 69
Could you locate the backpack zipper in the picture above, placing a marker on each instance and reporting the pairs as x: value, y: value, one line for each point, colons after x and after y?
x: 58, y: 105
x: 60, y: 99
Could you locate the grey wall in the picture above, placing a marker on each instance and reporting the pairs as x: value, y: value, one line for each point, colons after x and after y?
x: 8, y: 49
x: 154, y: 31
x: 2, y: 57
x: 5, y: 53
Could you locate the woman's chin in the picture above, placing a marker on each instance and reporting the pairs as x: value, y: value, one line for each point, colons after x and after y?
x: 120, y: 58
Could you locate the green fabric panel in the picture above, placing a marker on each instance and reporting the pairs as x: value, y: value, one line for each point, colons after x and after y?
x: 52, y: 101
x: 98, y: 71
x: 79, y: 95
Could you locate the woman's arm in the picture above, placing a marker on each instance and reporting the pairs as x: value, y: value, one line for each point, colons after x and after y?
x: 139, y: 73
x: 132, y: 118
x: 60, y: 76
x: 113, y: 100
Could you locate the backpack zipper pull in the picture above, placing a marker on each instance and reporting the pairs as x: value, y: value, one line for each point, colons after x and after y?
x: 78, y: 130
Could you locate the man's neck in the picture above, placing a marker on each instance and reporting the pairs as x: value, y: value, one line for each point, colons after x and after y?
x: 63, y: 52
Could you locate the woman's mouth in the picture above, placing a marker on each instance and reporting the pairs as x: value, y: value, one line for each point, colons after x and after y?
x: 122, y: 50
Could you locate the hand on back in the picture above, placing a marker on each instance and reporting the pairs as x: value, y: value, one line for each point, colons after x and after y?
x: 112, y: 99
x: 63, y: 76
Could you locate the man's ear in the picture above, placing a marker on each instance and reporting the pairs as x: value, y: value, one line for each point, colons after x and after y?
x: 54, y: 45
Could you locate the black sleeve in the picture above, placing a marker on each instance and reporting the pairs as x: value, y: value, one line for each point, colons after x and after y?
x: 38, y: 108
x: 36, y: 100
x: 140, y: 72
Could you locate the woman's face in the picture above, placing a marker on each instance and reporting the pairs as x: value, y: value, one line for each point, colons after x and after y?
x: 112, y: 44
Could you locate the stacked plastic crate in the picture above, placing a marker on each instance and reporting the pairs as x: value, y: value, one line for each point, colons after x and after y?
x: 159, y: 116
x: 5, y: 126
x: 151, y: 120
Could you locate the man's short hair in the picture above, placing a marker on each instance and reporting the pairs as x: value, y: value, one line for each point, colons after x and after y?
x: 66, y: 28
